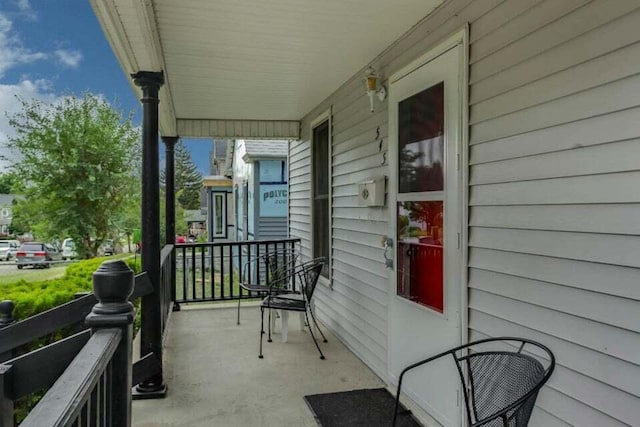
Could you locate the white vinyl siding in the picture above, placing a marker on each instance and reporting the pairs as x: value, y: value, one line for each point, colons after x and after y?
x: 554, y: 195
x: 554, y: 231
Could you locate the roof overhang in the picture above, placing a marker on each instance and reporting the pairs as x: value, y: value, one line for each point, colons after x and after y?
x: 216, y: 181
x: 250, y: 69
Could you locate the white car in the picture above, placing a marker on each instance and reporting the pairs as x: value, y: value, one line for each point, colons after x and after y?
x: 68, y: 249
x: 5, y: 250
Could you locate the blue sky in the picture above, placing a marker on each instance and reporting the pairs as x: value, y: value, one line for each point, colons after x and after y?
x: 52, y: 48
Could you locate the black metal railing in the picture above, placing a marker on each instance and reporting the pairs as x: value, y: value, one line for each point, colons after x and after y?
x: 207, y: 272
x: 86, y: 392
x: 31, y: 373
x: 95, y: 389
x: 14, y: 335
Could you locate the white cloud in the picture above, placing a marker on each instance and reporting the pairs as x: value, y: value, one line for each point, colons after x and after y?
x: 12, y: 51
x: 9, y: 104
x: 24, y: 6
x: 68, y: 58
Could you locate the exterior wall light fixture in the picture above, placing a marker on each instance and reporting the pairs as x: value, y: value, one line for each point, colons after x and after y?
x: 373, y: 89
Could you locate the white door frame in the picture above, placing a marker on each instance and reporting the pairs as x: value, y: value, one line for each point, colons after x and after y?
x: 461, y: 37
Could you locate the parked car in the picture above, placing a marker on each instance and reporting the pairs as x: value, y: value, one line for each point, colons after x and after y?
x: 69, y: 249
x: 108, y: 248
x: 5, y: 250
x: 13, y: 247
x: 37, y: 255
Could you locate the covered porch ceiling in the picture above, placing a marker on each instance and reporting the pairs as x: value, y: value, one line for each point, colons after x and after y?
x: 247, y: 68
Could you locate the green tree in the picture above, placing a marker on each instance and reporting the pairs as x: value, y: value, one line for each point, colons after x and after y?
x: 188, y: 180
x: 8, y: 182
x: 78, y: 159
x: 130, y: 217
x: 180, y: 221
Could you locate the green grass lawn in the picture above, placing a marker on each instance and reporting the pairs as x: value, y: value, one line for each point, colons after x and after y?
x: 11, y: 274
x: 30, y: 274
x: 206, y: 291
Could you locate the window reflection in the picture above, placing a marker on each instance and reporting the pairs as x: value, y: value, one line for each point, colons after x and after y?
x: 421, y: 141
x: 420, y: 253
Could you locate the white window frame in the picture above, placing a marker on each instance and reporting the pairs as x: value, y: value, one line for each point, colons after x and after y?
x: 325, y: 116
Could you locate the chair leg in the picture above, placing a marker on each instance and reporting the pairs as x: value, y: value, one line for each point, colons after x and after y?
x: 269, y: 327
x: 313, y: 336
x: 238, y: 322
x: 324, y: 339
x: 261, y: 331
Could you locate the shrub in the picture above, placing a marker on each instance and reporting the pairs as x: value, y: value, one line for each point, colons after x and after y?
x: 31, y: 298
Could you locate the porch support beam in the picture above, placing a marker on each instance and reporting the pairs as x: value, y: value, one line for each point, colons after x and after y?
x: 170, y: 205
x: 151, y: 328
x: 230, y: 128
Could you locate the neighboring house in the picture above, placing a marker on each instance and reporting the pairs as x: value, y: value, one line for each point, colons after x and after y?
x: 218, y: 156
x: 507, y: 142
x: 260, y: 189
x: 6, y: 201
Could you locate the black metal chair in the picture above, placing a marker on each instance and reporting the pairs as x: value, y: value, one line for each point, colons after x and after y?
x: 307, y: 274
x: 270, y: 272
x: 500, y: 385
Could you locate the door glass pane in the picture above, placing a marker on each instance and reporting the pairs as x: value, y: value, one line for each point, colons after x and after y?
x: 421, y: 141
x: 420, y: 253
x: 219, y: 212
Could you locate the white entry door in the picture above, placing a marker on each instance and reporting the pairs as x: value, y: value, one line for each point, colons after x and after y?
x: 425, y: 199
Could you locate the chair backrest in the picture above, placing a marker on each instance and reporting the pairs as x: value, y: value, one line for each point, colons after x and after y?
x: 280, y: 266
x: 501, y: 386
x: 311, y: 271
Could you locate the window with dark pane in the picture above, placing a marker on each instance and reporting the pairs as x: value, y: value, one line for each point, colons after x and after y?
x: 320, y: 202
x: 219, y: 211
x: 421, y: 141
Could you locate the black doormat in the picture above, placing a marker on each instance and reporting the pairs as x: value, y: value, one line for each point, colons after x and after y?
x: 358, y: 408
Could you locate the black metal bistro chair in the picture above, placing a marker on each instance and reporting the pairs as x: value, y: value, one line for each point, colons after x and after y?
x: 307, y: 275
x: 500, y: 384
x: 271, y: 272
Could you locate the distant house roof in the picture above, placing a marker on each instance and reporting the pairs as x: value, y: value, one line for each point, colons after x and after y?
x: 216, y: 181
x: 265, y: 149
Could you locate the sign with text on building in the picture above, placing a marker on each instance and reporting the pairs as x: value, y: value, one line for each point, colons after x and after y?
x: 273, y: 200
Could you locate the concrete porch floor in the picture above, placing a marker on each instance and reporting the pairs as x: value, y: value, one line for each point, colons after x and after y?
x: 215, y: 378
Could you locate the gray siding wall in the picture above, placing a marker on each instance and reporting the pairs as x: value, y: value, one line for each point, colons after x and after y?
x: 554, y: 199
x: 272, y: 228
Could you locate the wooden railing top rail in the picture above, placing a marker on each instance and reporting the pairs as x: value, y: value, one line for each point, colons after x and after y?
x: 64, y: 401
x: 40, y: 368
x: 237, y: 243
x: 59, y: 317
